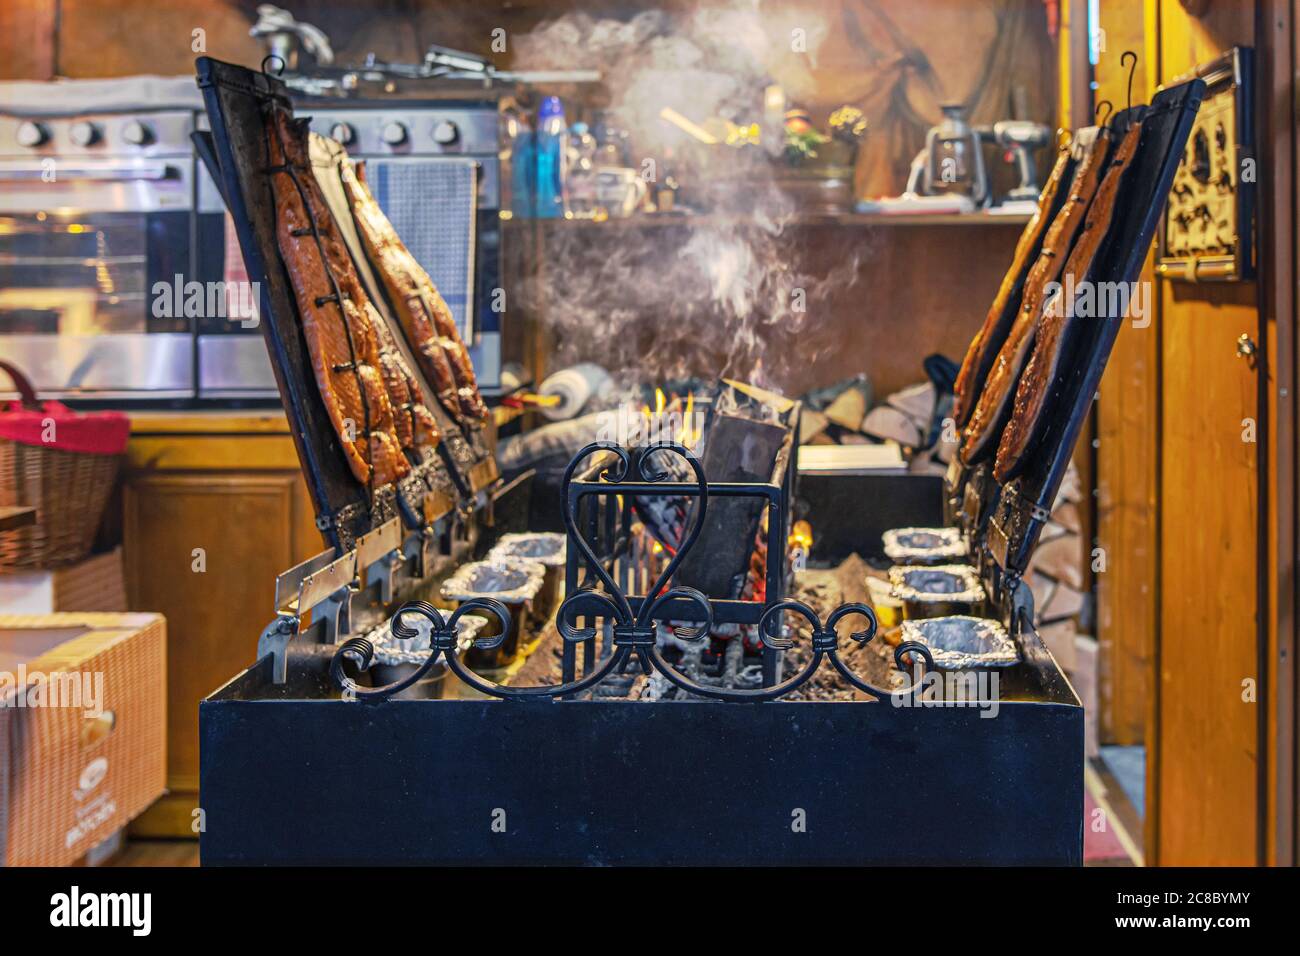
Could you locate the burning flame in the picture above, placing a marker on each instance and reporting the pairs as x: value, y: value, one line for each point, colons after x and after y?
x: 685, y: 431
x: 801, y: 536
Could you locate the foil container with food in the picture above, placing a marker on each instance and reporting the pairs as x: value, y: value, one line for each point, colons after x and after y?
x: 960, y: 642
x: 924, y: 545
x: 509, y: 580
x: 547, y: 548
x: 544, y: 547
x: 516, y: 584
x: 397, y: 659
x: 930, y: 590
x: 391, y: 650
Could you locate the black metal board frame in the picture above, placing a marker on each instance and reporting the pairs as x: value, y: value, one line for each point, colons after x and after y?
x: 970, y: 491
x: 1026, y: 501
x: 236, y: 99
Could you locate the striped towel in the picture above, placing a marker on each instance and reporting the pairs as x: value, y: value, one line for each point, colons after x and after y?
x: 432, y: 204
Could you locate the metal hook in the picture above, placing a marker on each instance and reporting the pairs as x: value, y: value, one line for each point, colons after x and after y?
x: 268, y: 58
x: 1110, y: 108
x: 1132, y: 69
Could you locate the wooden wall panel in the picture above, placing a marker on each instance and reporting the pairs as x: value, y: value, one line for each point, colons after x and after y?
x: 902, y: 291
x: 1127, y: 472
x: 122, y: 37
x: 1127, y: 416
x: 1279, y: 216
x: 28, y: 30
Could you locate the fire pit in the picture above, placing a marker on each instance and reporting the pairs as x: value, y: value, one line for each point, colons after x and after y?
x: 570, y: 776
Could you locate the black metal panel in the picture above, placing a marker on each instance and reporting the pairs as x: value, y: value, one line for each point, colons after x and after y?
x: 237, y: 100
x: 849, y: 513
x: 1026, y: 500
x: 737, y: 450
x: 234, y: 96
x: 588, y: 782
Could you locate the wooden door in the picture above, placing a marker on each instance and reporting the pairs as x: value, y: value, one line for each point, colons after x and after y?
x: 1207, y: 765
x: 1204, y: 778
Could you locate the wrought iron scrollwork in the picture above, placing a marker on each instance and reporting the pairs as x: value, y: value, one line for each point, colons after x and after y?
x: 634, y: 622
x: 825, y: 644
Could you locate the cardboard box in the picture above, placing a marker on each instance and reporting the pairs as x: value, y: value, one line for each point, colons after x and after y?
x: 82, y: 730
x: 95, y: 584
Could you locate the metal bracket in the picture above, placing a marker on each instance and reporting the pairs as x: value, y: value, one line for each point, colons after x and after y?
x: 375, y: 558
x: 319, y: 586
x: 274, y: 641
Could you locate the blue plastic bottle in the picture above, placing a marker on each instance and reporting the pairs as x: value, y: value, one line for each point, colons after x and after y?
x: 523, y: 171
x: 552, y: 146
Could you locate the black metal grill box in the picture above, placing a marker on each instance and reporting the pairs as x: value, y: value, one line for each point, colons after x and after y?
x: 295, y: 770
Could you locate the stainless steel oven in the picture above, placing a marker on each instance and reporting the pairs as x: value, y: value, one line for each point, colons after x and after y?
x: 116, y: 276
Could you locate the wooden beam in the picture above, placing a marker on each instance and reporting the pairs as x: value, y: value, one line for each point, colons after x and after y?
x: 28, y: 31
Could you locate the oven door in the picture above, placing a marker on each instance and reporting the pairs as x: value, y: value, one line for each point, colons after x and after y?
x: 94, y: 258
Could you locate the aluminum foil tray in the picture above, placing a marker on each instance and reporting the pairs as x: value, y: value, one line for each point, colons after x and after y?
x: 924, y: 545
x: 391, y: 651
x: 509, y: 580
x: 545, y: 547
x: 936, y: 584
x: 960, y: 642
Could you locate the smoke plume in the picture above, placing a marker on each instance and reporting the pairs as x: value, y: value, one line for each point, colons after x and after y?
x: 713, y: 294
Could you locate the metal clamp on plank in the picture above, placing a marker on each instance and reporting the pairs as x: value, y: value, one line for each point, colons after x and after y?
x: 318, y: 588
x: 378, y: 558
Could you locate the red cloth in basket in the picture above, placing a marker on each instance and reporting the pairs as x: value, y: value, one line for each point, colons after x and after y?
x: 54, y: 425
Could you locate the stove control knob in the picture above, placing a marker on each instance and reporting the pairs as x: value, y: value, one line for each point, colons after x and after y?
x: 343, y: 134
x: 446, y: 133
x: 83, y: 134
x: 394, y: 133
x: 32, y: 134
x: 137, y: 133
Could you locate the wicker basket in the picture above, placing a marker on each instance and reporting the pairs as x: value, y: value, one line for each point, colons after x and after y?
x: 68, y: 489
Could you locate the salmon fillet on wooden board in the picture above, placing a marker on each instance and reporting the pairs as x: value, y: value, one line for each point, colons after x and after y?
x: 986, y: 422
x: 417, y: 429
x: 1058, y: 320
x: 340, y: 332
x: 1002, y: 313
x: 430, y: 329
